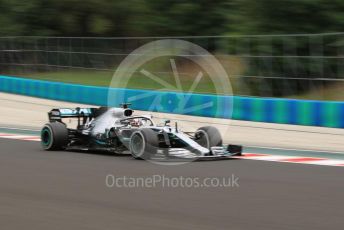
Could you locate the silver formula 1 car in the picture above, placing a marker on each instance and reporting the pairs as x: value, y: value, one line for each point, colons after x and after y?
x: 117, y: 130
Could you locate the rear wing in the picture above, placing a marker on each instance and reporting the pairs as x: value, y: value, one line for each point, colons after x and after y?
x: 59, y: 114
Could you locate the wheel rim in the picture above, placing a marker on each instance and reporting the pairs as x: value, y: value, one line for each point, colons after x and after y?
x: 137, y: 145
x: 46, y: 137
x: 202, y: 139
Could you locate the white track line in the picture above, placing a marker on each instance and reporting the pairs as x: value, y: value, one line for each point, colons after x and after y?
x: 20, y: 137
x: 246, y: 156
x: 292, y: 159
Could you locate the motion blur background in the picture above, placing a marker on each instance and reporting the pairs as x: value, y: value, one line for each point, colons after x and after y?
x: 285, y: 48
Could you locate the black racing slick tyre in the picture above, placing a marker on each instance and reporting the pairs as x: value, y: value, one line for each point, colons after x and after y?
x: 54, y: 136
x: 208, y: 136
x: 143, y: 144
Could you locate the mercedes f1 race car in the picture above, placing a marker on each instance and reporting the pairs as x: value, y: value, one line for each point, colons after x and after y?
x: 116, y: 130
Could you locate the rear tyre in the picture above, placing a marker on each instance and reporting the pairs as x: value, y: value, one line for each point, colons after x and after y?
x: 54, y: 136
x: 143, y: 144
x: 208, y: 137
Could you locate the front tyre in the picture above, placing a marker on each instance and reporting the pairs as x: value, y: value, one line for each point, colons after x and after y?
x: 143, y: 144
x: 54, y: 136
x: 208, y: 136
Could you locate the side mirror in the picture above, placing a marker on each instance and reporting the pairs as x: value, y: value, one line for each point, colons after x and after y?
x: 125, y: 105
x: 167, y: 122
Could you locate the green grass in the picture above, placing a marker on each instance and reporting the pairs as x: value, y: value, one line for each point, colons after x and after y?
x: 96, y: 78
x: 332, y: 92
x: 136, y: 81
x: 188, y: 71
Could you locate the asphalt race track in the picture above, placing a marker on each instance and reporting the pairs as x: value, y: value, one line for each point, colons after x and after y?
x: 67, y: 190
